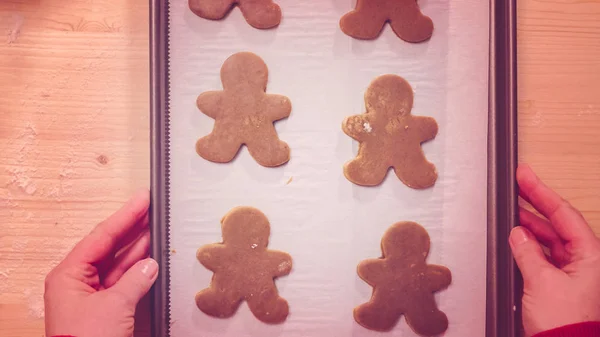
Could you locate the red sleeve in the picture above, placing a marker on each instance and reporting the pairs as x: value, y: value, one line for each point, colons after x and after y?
x: 585, y: 329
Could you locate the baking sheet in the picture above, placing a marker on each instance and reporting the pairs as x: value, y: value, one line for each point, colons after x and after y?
x: 327, y: 224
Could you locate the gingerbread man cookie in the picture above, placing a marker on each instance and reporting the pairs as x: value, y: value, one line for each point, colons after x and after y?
x: 367, y: 20
x: 244, y: 114
x: 403, y: 283
x: 261, y: 14
x: 390, y: 136
x: 244, y: 269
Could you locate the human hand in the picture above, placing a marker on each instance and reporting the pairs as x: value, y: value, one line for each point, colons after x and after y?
x: 564, y: 287
x: 95, y: 289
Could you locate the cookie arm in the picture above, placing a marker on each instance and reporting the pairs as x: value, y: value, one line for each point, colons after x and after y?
x: 211, y: 103
x: 357, y: 127
x: 371, y: 270
x: 427, y: 126
x: 280, y: 263
x: 212, y: 10
x: 365, y: 22
x: 211, y: 255
x: 263, y: 14
x: 439, y: 277
x: 278, y: 107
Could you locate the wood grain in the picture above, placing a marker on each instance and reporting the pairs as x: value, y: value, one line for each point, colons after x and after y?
x: 559, y: 98
x: 74, y: 125
x: 73, y: 135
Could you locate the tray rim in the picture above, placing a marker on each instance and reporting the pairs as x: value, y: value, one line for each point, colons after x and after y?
x: 159, y: 166
x: 504, y: 282
x: 503, y: 279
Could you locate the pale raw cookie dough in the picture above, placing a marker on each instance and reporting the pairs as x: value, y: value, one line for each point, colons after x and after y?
x: 261, y: 14
x: 244, y: 269
x: 390, y: 136
x: 403, y: 283
x: 367, y: 20
x: 244, y: 114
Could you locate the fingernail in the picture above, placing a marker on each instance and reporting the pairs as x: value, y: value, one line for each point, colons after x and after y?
x: 518, y: 236
x: 149, y: 268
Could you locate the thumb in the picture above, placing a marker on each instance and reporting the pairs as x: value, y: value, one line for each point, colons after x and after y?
x: 528, y: 253
x: 137, y: 281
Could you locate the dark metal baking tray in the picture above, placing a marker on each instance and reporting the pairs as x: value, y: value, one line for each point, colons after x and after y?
x: 503, y: 279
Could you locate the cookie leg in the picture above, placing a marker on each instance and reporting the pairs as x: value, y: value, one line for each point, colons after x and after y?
x: 268, y: 150
x: 365, y: 171
x: 365, y: 22
x: 218, y: 148
x: 376, y: 315
x: 211, y: 9
x: 261, y: 14
x: 217, y: 304
x: 426, y: 319
x: 415, y: 171
x: 410, y: 24
x: 270, y: 308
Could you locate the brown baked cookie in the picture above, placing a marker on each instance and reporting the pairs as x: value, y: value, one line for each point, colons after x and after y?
x: 261, y: 14
x: 244, y: 269
x: 367, y: 20
x: 403, y: 283
x: 244, y: 114
x: 390, y: 136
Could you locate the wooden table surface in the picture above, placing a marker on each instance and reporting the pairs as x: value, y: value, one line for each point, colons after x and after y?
x: 74, y: 124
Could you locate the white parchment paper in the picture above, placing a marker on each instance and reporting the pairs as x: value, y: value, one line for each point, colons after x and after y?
x: 325, y: 222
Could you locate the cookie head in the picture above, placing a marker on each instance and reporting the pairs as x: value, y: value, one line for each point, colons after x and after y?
x: 244, y: 70
x: 406, y: 241
x: 389, y: 95
x: 246, y: 228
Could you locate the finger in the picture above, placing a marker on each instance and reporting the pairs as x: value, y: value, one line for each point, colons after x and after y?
x: 108, y: 262
x: 137, y: 251
x: 545, y: 234
x: 566, y: 220
x: 539, y: 227
x: 133, y: 234
x: 528, y: 253
x: 104, y: 238
x: 136, y: 282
